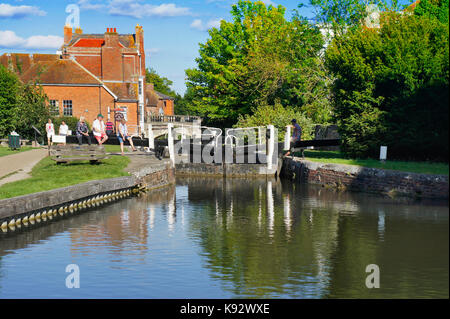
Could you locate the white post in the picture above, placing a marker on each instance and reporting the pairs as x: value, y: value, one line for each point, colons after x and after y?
x: 151, y: 137
x: 383, y: 153
x: 171, y: 145
x: 287, y: 138
x: 260, y: 136
x: 271, y: 148
x: 183, y: 132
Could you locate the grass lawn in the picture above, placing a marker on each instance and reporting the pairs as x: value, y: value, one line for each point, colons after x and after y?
x: 4, y: 151
x: 414, y: 167
x: 46, y: 175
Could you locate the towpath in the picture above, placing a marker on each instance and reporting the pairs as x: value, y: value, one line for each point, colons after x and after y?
x: 18, y: 166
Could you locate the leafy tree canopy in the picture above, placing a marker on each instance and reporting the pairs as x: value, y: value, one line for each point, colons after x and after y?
x: 21, y: 105
x: 255, y: 59
x: 438, y: 9
x: 391, y: 87
x: 161, y: 84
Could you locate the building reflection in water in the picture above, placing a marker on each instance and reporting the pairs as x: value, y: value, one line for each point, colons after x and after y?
x: 127, y: 230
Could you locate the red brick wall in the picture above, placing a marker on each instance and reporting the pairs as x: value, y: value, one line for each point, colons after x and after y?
x: 92, y: 99
x: 92, y: 63
x: 168, y: 109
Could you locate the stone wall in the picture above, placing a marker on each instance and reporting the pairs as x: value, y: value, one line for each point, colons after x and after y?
x: 115, y: 188
x: 226, y: 170
x: 356, y: 178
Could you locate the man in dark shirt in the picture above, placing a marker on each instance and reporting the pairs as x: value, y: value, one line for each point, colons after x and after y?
x: 83, y: 131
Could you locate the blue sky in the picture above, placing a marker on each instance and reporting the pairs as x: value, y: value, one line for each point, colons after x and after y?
x: 173, y: 28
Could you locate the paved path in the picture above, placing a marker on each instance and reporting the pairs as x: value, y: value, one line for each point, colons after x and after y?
x: 18, y: 166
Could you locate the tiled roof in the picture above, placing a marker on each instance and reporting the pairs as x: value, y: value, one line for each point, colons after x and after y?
x: 89, y: 43
x: 164, y: 96
x: 151, y: 98
x: 20, y: 62
x: 127, y: 40
x: 58, y: 72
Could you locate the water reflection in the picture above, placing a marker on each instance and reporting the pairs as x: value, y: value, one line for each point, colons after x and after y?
x: 215, y: 238
x: 300, y: 241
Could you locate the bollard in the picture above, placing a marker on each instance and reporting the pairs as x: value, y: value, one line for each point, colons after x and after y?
x: 171, y: 145
x: 151, y: 137
x: 287, y: 139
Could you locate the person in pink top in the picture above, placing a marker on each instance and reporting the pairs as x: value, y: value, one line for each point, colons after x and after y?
x: 50, y: 129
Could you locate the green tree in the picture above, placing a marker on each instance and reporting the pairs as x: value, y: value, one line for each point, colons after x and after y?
x: 391, y: 87
x: 278, y: 116
x: 255, y: 59
x: 32, y: 109
x: 9, y: 89
x: 433, y: 9
x: 161, y: 84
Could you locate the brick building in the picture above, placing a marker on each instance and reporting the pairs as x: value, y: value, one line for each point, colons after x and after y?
x: 94, y: 73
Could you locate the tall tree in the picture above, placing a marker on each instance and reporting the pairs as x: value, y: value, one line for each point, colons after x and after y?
x: 32, y: 109
x: 255, y: 59
x: 9, y: 89
x: 433, y: 9
x: 392, y: 87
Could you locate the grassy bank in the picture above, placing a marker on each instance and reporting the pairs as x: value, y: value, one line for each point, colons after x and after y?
x: 4, y: 151
x: 46, y: 175
x: 413, y: 167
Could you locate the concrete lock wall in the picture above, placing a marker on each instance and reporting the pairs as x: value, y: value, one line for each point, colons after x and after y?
x: 43, y: 206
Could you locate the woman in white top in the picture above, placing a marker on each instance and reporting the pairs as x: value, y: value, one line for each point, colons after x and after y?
x: 50, y: 129
x: 63, y: 129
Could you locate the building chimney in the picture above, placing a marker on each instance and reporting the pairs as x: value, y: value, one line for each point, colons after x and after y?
x: 111, y: 38
x: 67, y: 34
x: 79, y: 31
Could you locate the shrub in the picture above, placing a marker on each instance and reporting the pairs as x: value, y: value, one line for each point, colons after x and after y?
x: 391, y: 88
x: 278, y: 116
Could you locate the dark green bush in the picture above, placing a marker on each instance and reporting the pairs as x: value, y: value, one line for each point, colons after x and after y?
x: 391, y: 88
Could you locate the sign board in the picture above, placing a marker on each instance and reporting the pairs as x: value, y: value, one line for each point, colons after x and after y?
x: 383, y: 153
x: 58, y: 139
x: 119, y: 117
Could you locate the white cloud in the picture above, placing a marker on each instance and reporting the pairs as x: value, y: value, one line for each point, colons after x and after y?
x: 88, y: 5
x: 9, y: 11
x: 135, y: 8
x: 153, y: 51
x: 268, y: 2
x: 9, y: 40
x: 44, y: 42
x: 199, y: 25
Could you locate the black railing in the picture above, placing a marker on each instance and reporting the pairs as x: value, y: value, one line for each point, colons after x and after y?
x: 173, y: 119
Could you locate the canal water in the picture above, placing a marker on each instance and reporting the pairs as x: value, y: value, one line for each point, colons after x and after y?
x: 236, y: 238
